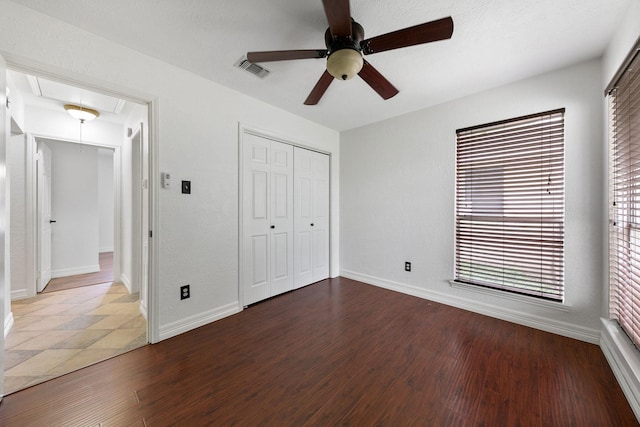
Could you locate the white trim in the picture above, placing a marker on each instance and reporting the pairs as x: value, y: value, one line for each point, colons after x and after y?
x: 117, y: 211
x: 143, y: 309
x: 263, y: 133
x: 137, y: 208
x: 30, y: 220
x: 105, y: 249
x: 624, y: 360
x: 64, y: 272
x: 526, y: 319
x: 126, y: 282
x: 8, y: 324
x: 201, y: 319
x: 511, y: 296
x: 19, y: 294
x: 153, y: 298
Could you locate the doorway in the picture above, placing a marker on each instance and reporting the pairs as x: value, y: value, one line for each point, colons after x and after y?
x: 78, y: 334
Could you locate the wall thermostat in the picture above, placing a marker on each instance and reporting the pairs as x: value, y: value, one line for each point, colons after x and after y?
x: 165, y: 180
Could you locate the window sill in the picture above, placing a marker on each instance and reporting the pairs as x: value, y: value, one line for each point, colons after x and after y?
x: 511, y: 296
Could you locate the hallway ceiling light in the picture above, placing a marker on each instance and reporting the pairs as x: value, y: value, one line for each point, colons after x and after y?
x: 81, y: 113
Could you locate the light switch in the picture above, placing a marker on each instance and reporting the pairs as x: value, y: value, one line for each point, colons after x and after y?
x: 186, y: 187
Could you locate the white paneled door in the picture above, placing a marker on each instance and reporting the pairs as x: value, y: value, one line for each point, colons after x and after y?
x: 285, y: 224
x: 267, y: 218
x: 311, y: 217
x: 43, y: 166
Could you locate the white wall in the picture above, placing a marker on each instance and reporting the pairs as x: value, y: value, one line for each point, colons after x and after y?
x: 621, y: 43
x: 397, y: 198
x: 75, y: 207
x: 196, y: 137
x: 105, y: 200
x: 16, y: 163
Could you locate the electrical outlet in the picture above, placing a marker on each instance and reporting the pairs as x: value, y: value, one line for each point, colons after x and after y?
x: 185, y: 292
x: 407, y: 266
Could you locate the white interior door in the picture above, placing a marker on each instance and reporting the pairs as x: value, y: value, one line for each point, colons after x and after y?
x: 267, y: 207
x: 281, y: 226
x: 256, y: 232
x: 43, y: 166
x: 320, y: 224
x: 303, y: 214
x: 311, y: 211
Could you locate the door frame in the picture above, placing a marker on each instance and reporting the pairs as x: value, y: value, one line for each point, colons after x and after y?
x: 262, y: 133
x: 137, y: 209
x: 41, y: 163
x: 32, y: 228
x: 29, y: 67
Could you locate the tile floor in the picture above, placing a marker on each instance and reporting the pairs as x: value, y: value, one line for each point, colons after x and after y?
x: 60, y: 332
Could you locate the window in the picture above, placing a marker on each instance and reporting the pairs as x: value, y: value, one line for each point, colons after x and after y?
x: 624, y: 195
x: 510, y: 205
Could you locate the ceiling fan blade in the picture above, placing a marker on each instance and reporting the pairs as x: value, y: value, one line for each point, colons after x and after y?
x: 319, y: 89
x: 440, y: 29
x: 338, y: 16
x: 377, y: 81
x: 285, y: 55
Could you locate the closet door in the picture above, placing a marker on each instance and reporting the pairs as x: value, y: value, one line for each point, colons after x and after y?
x: 281, y: 224
x: 267, y: 218
x: 320, y: 227
x: 311, y: 210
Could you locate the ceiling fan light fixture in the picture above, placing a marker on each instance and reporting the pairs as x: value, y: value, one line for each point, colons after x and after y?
x: 81, y: 113
x: 344, y: 64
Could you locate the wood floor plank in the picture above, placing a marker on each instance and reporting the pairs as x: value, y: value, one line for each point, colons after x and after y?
x: 339, y: 353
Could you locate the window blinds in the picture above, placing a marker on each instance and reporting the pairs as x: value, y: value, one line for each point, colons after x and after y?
x: 510, y: 205
x: 624, y: 193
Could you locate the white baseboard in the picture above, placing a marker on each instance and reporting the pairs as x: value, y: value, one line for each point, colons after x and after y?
x: 624, y: 360
x: 527, y: 319
x: 126, y: 282
x: 19, y: 294
x: 75, y: 270
x: 8, y: 324
x: 192, y: 322
x: 143, y: 309
x: 105, y: 249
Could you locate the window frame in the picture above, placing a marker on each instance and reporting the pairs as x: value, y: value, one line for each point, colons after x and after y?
x: 516, y: 147
x: 623, y: 96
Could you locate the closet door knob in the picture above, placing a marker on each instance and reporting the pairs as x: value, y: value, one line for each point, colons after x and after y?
x: 273, y: 226
x: 312, y: 224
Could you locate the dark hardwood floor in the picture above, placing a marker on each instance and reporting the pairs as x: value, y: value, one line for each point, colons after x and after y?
x: 339, y: 353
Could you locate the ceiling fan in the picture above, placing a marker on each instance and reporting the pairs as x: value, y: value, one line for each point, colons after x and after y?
x: 346, y: 44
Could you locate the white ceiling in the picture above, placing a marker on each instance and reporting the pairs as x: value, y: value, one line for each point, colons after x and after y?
x: 494, y: 42
x: 46, y: 94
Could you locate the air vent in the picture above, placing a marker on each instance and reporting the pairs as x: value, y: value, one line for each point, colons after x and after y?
x: 254, y: 69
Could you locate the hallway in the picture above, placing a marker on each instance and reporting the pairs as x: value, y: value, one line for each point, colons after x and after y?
x: 59, y: 332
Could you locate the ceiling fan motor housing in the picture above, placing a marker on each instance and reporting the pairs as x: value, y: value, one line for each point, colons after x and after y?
x: 345, y: 59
